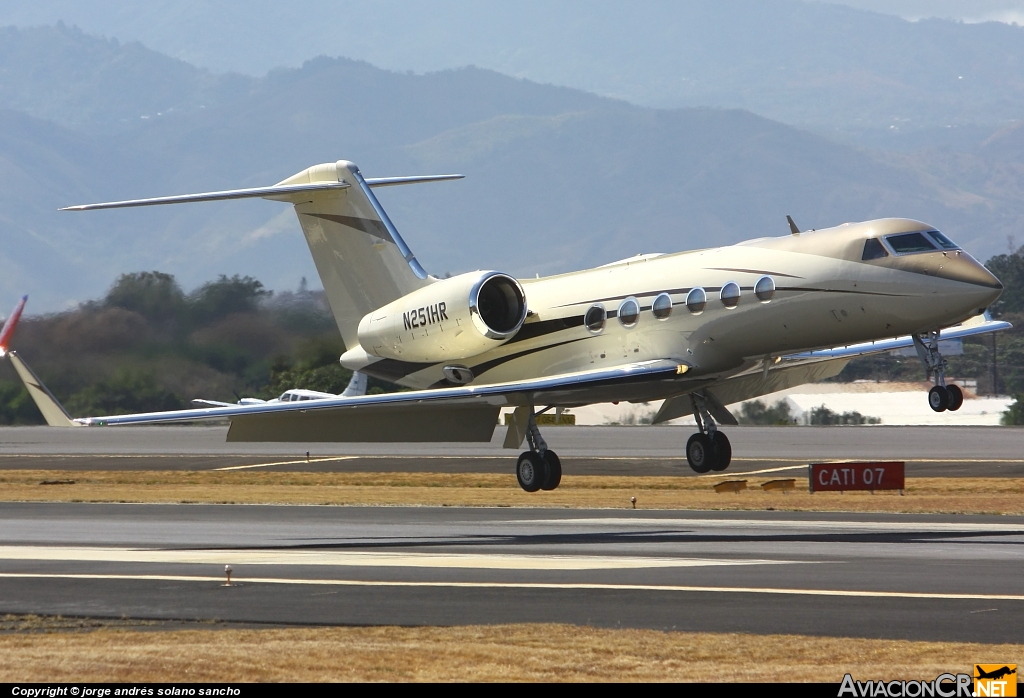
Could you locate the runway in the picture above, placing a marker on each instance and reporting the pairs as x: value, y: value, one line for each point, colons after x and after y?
x: 632, y: 451
x: 881, y: 576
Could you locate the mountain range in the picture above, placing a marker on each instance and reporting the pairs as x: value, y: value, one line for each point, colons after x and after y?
x: 557, y: 178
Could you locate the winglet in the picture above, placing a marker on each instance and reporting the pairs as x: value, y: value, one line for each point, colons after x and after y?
x: 54, y: 414
x: 792, y: 226
x: 8, y: 329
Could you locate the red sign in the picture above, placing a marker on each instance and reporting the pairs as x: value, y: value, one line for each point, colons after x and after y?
x: 830, y: 477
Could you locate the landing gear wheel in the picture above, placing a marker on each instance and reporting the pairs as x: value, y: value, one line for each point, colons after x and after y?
x: 531, y: 471
x: 938, y: 398
x: 723, y: 451
x: 700, y: 453
x: 554, y: 471
x: 956, y: 397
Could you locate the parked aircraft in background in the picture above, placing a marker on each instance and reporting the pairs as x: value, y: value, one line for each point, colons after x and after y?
x: 9, y: 324
x: 698, y: 329
x: 356, y: 386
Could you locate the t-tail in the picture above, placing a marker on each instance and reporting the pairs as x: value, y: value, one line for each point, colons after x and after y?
x: 363, y: 262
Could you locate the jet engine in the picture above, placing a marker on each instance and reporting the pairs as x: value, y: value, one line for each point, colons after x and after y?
x: 450, y: 319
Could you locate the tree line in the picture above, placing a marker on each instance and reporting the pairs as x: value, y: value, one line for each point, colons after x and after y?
x: 148, y: 345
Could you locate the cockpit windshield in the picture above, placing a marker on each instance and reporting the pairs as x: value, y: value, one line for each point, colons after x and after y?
x: 873, y: 250
x: 908, y: 243
x: 944, y: 242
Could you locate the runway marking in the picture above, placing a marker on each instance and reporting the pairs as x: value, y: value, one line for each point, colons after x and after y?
x: 288, y: 462
x: 810, y: 525
x: 531, y: 585
x: 755, y: 472
x: 336, y: 558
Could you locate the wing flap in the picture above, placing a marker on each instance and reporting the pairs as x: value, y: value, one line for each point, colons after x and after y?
x: 402, y: 422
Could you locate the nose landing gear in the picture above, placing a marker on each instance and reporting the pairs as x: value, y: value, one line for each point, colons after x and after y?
x: 941, y: 397
x: 709, y: 449
x: 539, y: 468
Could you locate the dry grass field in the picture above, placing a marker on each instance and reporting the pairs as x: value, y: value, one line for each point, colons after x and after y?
x: 42, y: 650
x: 938, y: 495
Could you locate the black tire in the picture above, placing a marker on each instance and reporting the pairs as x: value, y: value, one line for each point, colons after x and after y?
x: 554, y: 471
x: 531, y: 471
x: 723, y: 451
x: 956, y: 397
x: 700, y: 453
x: 938, y: 398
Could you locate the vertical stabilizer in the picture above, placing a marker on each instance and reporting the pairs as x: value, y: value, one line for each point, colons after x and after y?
x: 362, y: 260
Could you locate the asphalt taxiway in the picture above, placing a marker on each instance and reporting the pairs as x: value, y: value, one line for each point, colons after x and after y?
x: 887, y: 576
x: 862, y: 575
x: 634, y: 451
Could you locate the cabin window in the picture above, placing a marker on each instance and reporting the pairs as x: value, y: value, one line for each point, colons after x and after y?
x: 595, y: 318
x: 944, y: 242
x: 764, y: 289
x: 696, y: 300
x: 730, y: 294
x: 662, y: 306
x: 629, y: 311
x: 873, y: 250
x: 908, y: 243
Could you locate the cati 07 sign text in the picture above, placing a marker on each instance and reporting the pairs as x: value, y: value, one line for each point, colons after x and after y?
x: 830, y: 477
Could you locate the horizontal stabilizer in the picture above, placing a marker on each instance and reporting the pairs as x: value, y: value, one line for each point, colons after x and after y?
x: 54, y: 414
x: 278, y: 191
x: 418, y: 179
x: 281, y: 191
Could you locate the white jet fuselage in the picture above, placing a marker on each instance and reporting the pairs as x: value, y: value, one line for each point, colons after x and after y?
x: 825, y: 294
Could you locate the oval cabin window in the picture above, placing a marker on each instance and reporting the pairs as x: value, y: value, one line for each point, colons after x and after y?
x: 696, y: 300
x: 662, y: 306
x: 764, y: 289
x: 629, y: 311
x: 730, y: 294
x: 595, y: 318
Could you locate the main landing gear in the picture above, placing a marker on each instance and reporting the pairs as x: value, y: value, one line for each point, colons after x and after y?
x: 710, y: 449
x: 941, y: 397
x: 539, y: 468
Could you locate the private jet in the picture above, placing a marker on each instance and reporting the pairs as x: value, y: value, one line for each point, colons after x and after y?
x: 698, y: 329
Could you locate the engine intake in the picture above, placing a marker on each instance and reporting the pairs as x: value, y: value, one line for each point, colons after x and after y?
x: 450, y: 319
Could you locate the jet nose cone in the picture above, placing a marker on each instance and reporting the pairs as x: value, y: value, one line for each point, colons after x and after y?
x: 963, y: 267
x: 985, y: 287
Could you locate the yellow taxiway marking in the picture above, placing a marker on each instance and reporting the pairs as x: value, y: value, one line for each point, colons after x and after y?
x: 288, y: 462
x: 337, y: 558
x: 530, y: 585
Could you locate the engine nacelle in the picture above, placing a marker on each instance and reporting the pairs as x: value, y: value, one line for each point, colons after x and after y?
x: 450, y: 319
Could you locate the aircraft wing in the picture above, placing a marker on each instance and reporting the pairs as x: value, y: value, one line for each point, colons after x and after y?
x: 466, y: 413
x: 979, y: 324
x: 796, y: 369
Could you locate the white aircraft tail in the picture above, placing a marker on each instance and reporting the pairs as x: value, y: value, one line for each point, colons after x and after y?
x: 356, y: 385
x: 362, y: 260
